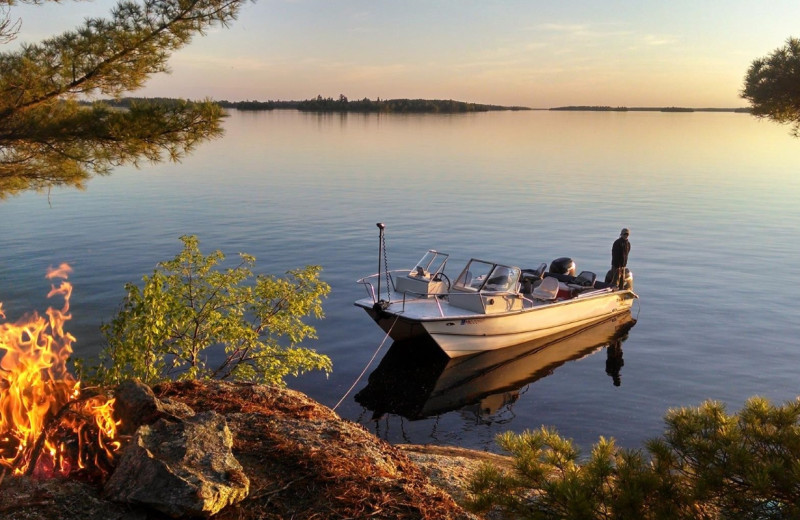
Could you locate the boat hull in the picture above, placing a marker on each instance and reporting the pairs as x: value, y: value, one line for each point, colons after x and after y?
x: 415, y: 380
x: 461, y: 334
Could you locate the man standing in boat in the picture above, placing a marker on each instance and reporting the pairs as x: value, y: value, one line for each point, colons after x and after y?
x: 619, y: 258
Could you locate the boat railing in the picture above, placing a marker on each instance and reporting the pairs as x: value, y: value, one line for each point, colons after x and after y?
x: 530, y: 301
x: 437, y: 297
x: 593, y: 292
x: 439, y: 305
x: 370, y: 282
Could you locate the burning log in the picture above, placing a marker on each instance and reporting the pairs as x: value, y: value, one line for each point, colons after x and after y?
x: 48, y: 427
x: 75, y: 429
x: 179, y: 462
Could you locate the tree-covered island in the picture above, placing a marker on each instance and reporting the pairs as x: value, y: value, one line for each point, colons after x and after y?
x: 342, y: 104
x: 366, y: 105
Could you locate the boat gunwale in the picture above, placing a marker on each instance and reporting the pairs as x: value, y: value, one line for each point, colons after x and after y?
x: 541, y: 304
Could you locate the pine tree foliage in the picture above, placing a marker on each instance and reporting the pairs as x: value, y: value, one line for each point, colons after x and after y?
x: 772, y: 85
x: 194, y: 320
x: 708, y: 465
x: 47, y: 138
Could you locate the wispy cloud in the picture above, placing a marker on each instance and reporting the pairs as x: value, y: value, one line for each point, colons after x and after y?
x: 564, y: 28
x: 583, y: 30
x: 575, y: 37
x: 652, y: 39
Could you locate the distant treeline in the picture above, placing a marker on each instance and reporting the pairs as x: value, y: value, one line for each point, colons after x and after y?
x: 127, y: 101
x: 320, y: 104
x: 342, y: 104
x: 259, y: 105
x: 406, y: 106
x: 650, y: 109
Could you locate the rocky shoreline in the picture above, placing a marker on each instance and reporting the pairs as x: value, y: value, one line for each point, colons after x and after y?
x: 300, y: 458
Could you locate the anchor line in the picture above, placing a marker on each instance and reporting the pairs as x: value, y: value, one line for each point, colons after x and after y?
x: 367, y: 366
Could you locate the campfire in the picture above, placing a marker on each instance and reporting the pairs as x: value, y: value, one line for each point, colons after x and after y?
x: 49, y: 427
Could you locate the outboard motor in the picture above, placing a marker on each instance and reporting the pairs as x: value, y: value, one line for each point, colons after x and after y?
x: 628, y: 278
x: 563, y: 265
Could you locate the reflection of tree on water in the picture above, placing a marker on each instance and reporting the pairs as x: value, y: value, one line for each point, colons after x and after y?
x: 416, y: 380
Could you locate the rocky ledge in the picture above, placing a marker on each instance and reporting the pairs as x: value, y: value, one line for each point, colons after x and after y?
x: 282, y: 455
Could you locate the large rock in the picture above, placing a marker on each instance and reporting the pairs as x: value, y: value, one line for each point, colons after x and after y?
x: 302, y: 461
x: 136, y: 404
x: 183, y: 468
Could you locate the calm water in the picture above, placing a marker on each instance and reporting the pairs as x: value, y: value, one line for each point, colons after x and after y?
x: 712, y: 201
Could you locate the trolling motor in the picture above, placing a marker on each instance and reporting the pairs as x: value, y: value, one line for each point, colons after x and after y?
x: 382, y: 305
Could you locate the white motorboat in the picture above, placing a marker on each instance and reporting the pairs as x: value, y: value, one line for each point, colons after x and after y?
x: 489, y: 305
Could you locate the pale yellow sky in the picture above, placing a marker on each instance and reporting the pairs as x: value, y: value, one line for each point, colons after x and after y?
x: 520, y: 52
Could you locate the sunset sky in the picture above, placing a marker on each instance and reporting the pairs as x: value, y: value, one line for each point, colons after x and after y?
x: 513, y: 52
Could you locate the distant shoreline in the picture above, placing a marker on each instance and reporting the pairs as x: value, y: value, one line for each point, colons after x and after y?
x: 410, y: 106
x: 744, y: 110
x: 383, y: 106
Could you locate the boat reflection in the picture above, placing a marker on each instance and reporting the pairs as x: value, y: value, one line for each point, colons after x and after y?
x: 415, y: 379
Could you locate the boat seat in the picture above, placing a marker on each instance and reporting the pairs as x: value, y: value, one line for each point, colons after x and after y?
x: 586, y: 279
x: 534, y: 274
x: 547, y: 290
x: 531, y: 278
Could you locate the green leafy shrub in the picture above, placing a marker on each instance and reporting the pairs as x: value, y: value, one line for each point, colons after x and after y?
x: 708, y: 465
x: 190, y: 310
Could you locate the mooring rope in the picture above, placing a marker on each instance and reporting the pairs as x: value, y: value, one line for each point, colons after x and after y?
x: 366, y: 367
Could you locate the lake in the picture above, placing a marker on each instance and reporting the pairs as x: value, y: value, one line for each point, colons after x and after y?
x: 711, y: 200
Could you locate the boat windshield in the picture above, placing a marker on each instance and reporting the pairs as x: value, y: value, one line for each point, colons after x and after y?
x: 473, y: 275
x: 480, y: 275
x: 431, y: 264
x: 502, y: 278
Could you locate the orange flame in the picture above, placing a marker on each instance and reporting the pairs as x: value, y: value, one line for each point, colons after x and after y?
x: 46, y: 427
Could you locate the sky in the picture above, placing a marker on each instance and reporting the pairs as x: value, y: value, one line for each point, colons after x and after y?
x: 539, y: 54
